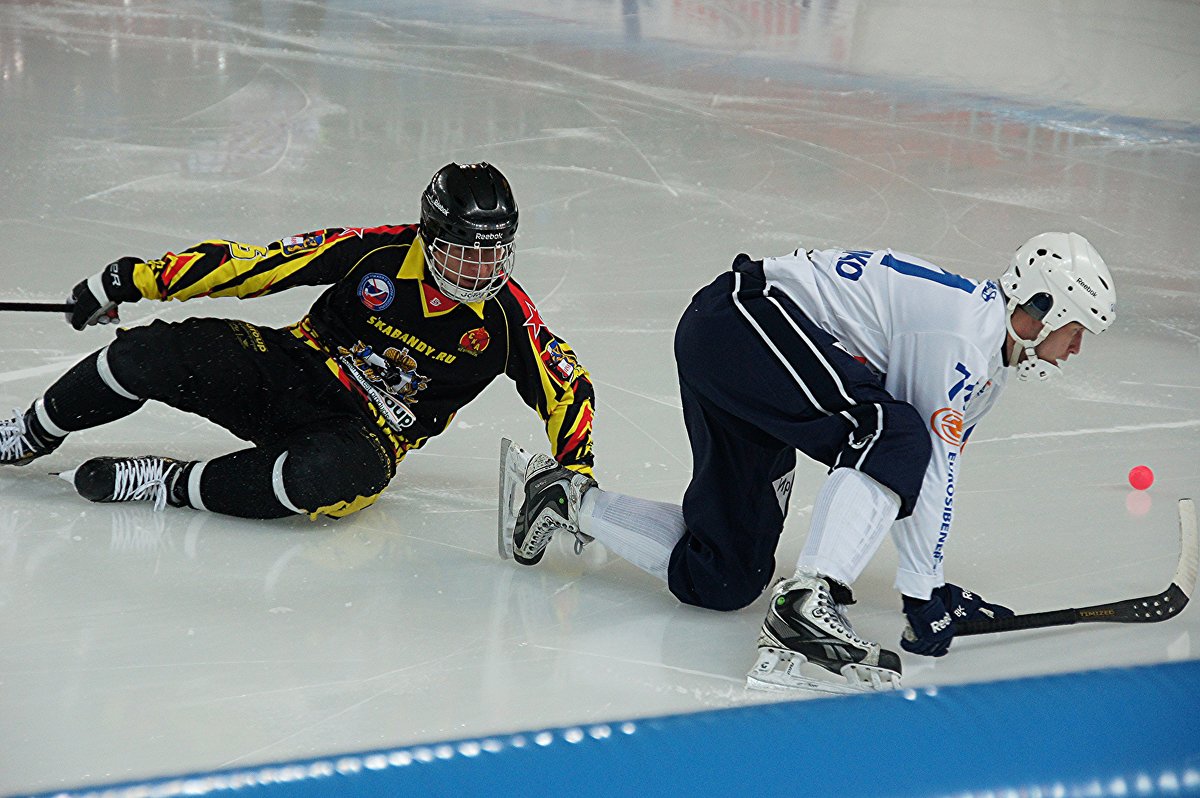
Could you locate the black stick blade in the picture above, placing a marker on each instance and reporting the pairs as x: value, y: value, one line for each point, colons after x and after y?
x: 1148, y: 609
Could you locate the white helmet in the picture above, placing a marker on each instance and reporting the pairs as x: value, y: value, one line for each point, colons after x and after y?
x: 1057, y: 278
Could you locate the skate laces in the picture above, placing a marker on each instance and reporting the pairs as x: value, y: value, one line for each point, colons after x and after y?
x: 549, y: 518
x: 12, y: 436
x: 544, y: 526
x: 831, y: 614
x: 137, y: 480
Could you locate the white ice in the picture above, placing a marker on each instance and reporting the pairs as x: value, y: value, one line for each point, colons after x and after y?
x: 646, y: 150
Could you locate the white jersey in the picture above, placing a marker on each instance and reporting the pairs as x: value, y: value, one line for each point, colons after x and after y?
x: 936, y: 339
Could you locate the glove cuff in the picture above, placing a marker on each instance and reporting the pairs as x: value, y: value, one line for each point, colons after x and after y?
x: 117, y: 281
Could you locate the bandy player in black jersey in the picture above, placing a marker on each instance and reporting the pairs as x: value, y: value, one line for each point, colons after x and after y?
x: 416, y: 321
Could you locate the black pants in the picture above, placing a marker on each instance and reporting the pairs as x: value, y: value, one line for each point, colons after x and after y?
x: 759, y: 380
x: 262, y: 385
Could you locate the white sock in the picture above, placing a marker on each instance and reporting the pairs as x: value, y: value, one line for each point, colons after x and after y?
x: 851, y: 516
x: 642, y: 531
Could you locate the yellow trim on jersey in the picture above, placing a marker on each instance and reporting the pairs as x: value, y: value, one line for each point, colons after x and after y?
x: 413, y: 268
x: 146, y: 282
x: 342, y: 509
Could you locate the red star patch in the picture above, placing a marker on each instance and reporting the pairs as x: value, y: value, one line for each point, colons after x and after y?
x: 533, y: 319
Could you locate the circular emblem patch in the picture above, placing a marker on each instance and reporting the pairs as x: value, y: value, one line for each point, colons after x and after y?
x: 947, y: 424
x: 376, y: 292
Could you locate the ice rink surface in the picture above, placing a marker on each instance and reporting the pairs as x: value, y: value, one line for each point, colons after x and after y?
x: 647, y: 143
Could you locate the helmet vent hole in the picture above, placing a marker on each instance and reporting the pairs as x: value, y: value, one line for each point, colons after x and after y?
x: 1101, y: 279
x: 1041, y: 253
x: 1055, y: 255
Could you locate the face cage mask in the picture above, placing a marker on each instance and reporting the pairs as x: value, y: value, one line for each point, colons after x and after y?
x: 466, y: 273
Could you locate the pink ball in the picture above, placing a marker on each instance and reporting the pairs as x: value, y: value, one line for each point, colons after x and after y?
x: 1141, y: 477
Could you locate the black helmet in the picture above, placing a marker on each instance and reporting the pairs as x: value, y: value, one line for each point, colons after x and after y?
x: 469, y: 204
x: 468, y: 223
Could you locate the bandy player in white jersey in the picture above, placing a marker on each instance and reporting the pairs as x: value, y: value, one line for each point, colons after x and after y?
x: 878, y: 365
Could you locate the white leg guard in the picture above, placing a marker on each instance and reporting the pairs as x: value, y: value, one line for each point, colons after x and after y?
x: 642, y: 531
x: 108, y: 379
x: 277, y: 484
x: 43, y: 417
x: 851, y: 516
x: 193, y: 485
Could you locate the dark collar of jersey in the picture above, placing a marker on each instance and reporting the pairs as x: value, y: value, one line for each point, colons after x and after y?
x: 433, y: 301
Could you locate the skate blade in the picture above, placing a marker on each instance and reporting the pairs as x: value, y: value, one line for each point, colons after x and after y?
x: 513, y: 461
x: 787, y: 671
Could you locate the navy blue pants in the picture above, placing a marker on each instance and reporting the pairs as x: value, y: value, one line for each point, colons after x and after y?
x: 759, y: 380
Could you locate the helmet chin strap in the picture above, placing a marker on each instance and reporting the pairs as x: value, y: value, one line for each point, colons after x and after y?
x: 1032, y: 366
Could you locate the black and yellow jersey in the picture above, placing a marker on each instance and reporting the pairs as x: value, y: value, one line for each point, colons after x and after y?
x: 412, y: 355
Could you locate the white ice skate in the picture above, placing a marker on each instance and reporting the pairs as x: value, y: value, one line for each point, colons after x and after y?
x: 806, y: 643
x: 513, y: 462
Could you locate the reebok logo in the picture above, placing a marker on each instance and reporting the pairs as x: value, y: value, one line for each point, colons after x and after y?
x: 1086, y: 287
x: 941, y: 624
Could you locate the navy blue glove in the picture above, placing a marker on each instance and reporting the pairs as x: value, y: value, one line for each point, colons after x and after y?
x: 930, y: 626
x: 94, y: 300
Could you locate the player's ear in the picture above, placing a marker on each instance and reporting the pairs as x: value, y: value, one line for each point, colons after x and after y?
x: 1025, y: 325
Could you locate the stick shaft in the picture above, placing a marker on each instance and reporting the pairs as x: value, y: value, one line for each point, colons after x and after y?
x: 1033, y: 620
x: 37, y: 307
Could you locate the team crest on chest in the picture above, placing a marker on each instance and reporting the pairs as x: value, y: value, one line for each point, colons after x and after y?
x: 376, y: 292
x: 474, y: 341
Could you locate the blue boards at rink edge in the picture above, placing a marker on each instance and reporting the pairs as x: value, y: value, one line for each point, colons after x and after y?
x: 1117, y: 732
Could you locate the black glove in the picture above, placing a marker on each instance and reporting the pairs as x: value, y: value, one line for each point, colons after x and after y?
x: 930, y: 626
x: 94, y: 300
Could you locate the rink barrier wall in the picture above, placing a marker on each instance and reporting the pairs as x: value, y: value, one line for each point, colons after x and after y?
x: 1115, y: 732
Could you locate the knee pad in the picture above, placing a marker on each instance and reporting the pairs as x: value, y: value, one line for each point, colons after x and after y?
x: 142, y: 362
x: 895, y: 454
x: 696, y: 577
x: 330, y: 474
x: 724, y: 597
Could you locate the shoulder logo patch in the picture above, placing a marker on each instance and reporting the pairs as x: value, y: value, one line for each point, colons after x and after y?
x: 301, y: 243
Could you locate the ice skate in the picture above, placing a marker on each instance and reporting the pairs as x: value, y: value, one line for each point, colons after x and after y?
x: 129, y: 479
x: 513, y: 462
x: 806, y: 643
x: 549, y: 497
x: 23, y: 440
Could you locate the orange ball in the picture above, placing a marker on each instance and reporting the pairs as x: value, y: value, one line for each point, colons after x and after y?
x: 1141, y: 477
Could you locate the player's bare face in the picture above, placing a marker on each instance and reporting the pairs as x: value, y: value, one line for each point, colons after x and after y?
x: 468, y: 267
x: 1062, y: 343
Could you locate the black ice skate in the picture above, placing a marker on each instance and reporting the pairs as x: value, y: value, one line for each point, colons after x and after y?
x: 23, y: 439
x: 807, y: 643
x: 131, y: 479
x: 550, y: 497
